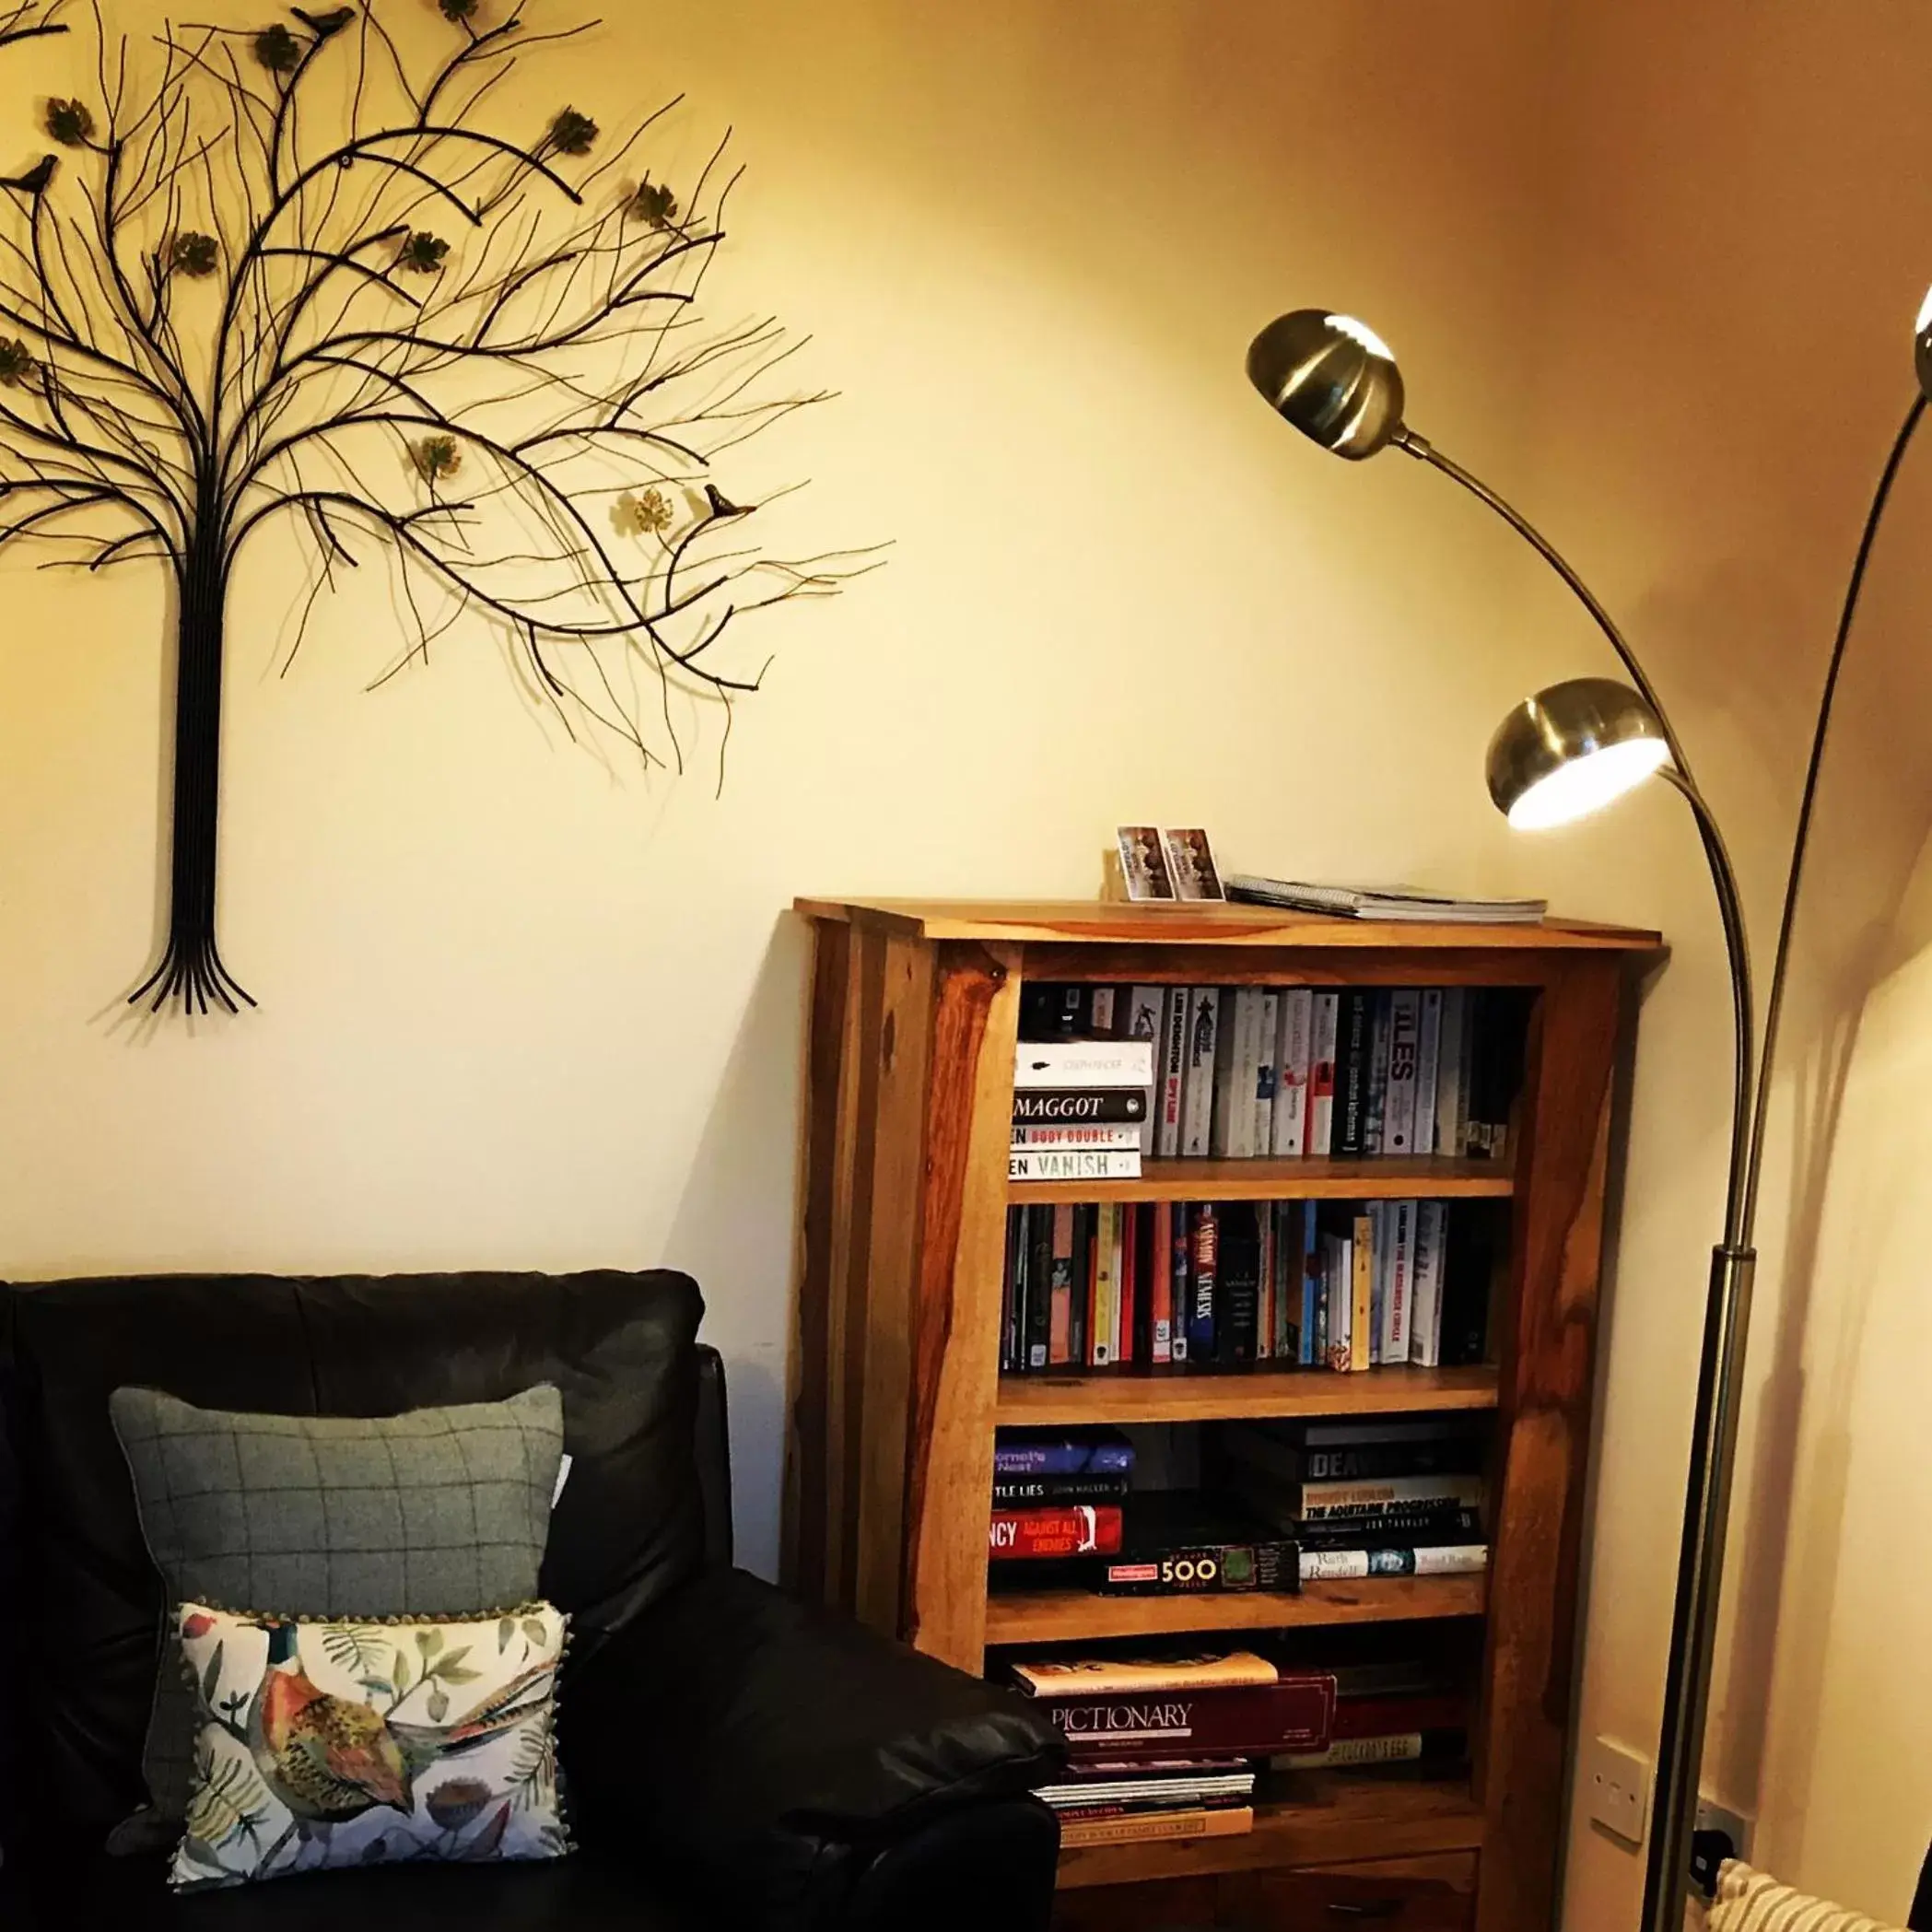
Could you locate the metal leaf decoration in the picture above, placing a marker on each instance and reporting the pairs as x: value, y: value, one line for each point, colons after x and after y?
x: 224, y: 306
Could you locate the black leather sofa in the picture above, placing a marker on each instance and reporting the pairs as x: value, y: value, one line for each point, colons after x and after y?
x: 732, y: 1757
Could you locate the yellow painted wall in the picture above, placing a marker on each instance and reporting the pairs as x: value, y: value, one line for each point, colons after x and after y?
x: 523, y: 1007
x: 1649, y: 268
x: 1739, y: 248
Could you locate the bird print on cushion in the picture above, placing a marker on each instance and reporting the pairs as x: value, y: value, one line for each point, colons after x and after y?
x: 326, y: 1743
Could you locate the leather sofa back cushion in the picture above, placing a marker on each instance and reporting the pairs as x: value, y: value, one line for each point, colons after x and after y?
x: 626, y: 1530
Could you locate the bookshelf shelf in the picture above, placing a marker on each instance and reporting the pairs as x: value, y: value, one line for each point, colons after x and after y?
x: 1176, y: 1397
x: 1068, y: 1616
x: 1430, y: 1179
x: 914, y: 1021
x: 1310, y: 1818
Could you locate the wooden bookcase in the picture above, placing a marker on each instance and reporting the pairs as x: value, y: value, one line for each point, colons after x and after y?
x: 897, y: 1390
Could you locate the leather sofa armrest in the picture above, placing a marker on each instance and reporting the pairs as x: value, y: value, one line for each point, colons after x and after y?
x: 775, y: 1752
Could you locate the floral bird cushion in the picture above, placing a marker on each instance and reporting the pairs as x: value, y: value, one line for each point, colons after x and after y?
x: 330, y: 1743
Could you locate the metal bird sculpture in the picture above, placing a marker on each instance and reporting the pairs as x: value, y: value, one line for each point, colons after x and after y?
x: 34, y: 181
x: 324, y: 26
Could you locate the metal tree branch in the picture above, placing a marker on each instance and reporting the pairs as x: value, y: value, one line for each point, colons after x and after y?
x: 294, y: 269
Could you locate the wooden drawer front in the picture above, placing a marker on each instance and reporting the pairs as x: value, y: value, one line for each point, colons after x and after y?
x: 1434, y: 1894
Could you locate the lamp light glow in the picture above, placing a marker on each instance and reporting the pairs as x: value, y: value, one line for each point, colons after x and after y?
x: 1922, y: 344
x: 1587, y: 785
x: 1332, y: 377
x: 1571, y: 750
x: 1359, y: 331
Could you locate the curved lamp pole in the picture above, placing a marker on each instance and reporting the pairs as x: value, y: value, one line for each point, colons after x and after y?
x: 1565, y: 752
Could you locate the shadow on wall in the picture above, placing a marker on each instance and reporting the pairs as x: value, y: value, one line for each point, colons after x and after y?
x: 1865, y: 913
x: 732, y: 1230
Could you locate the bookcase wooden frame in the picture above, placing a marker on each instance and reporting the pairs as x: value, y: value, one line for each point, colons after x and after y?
x: 897, y: 1387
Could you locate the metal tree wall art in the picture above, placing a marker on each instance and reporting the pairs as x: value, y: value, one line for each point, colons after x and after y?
x: 337, y: 269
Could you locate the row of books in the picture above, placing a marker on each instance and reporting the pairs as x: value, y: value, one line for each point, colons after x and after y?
x: 1407, y: 1484
x: 1274, y: 1071
x: 1170, y: 1744
x: 1212, y: 1285
x: 1065, y: 1513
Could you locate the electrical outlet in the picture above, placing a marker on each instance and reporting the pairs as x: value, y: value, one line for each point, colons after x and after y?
x: 1619, y: 1781
x: 1720, y: 1833
x: 1714, y: 1815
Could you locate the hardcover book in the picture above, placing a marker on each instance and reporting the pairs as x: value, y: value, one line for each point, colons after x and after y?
x: 1320, y: 1500
x: 1061, y: 1452
x: 1141, y: 1020
x: 1298, y: 1453
x: 1325, y: 1017
x: 1073, y: 1529
x: 1289, y: 1138
x: 1451, y: 1077
x: 1351, y: 1565
x: 1160, y: 1284
x: 1198, y: 1088
x: 1268, y: 1048
x: 1174, y: 1070
x: 1435, y: 1747
x: 1423, y: 1526
x: 1237, y: 1287
x: 1203, y: 1262
x: 1153, y: 1827
x: 1077, y: 1107
x: 1405, y: 1029
x: 1029, y: 1491
x: 1059, y: 1321
x: 1351, y: 1072
x: 1398, y: 1295
x: 1362, y: 1259
x: 1100, y: 1138
x: 1428, y: 1067
x: 1179, y: 1276
x: 1180, y: 1671
x: 1374, y: 1108
x: 1034, y: 1164
x: 1254, y: 1721
x: 1106, y: 1255
x: 1040, y: 1284
x: 1084, y: 1063
x: 1431, y: 1227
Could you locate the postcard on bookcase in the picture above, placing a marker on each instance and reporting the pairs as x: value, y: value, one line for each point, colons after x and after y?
x: 1191, y: 859
x: 1143, y: 865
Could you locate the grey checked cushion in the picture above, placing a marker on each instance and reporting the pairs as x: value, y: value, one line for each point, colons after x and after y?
x: 442, y: 1512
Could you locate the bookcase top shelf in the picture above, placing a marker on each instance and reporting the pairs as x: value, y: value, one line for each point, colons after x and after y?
x: 1094, y: 921
x: 1366, y: 1179
x: 1175, y: 1396
x: 1076, y: 1616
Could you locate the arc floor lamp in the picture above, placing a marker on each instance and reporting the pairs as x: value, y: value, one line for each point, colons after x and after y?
x: 1563, y: 753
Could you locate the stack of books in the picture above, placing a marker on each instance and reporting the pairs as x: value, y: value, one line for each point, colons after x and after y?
x: 1252, y: 1072
x: 1214, y: 1286
x: 1080, y: 1108
x: 1162, y: 1745
x: 1057, y: 1493
x: 1064, y: 1517
x: 1375, y: 1497
x: 1391, y: 1711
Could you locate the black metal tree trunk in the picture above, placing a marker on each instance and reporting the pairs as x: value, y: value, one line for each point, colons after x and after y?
x: 191, y: 969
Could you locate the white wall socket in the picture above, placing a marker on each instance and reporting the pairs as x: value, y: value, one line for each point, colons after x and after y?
x: 1619, y: 1784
